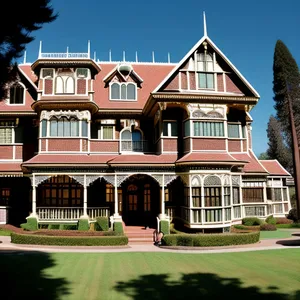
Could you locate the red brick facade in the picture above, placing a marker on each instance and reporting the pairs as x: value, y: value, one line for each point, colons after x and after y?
x: 209, y: 144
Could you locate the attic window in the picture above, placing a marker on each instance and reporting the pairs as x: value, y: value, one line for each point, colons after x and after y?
x: 16, y: 94
x: 123, y: 91
x: 205, y: 62
x: 82, y: 72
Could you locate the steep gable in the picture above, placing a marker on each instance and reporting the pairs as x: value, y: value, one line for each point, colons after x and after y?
x: 205, y: 69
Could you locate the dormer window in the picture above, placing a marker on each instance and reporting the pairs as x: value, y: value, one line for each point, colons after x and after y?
x: 123, y: 91
x: 205, y: 68
x: 16, y: 94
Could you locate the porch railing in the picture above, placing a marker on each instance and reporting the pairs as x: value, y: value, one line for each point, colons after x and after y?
x: 134, y: 146
x: 70, y: 213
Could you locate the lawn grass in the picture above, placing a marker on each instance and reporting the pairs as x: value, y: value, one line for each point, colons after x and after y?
x: 278, y: 234
x: 259, y: 275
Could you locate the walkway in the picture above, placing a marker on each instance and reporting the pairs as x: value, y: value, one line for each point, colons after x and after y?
x: 267, y: 244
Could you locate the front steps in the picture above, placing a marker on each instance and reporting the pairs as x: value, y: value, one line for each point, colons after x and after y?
x: 139, y: 235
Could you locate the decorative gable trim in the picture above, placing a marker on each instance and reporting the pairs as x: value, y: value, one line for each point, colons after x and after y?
x: 219, y: 52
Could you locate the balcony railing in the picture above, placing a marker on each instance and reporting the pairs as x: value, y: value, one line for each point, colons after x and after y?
x: 64, y: 55
x: 134, y: 146
x: 70, y: 213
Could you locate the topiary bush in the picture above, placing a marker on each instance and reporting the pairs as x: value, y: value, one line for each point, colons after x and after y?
x: 268, y: 227
x: 101, y: 224
x: 209, y: 240
x: 118, y: 228
x: 271, y: 220
x: 283, y: 221
x: 251, y: 221
x: 83, y: 224
x: 31, y: 224
x: 68, y: 240
x: 164, y: 226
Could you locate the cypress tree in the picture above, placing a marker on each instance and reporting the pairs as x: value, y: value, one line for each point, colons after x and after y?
x: 18, y: 20
x: 277, y: 149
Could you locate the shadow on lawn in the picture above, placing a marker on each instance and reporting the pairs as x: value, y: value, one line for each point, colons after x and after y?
x: 196, y: 286
x: 23, y: 277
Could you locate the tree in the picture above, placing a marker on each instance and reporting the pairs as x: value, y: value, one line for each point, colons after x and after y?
x: 286, y: 87
x: 16, y: 32
x: 277, y: 148
x: 263, y: 156
x: 286, y: 80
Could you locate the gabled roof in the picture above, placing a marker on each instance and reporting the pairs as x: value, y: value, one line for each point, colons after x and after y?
x: 274, y: 167
x: 116, y: 70
x: 219, y: 52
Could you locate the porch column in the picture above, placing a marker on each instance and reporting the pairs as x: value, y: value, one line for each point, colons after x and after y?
x: 162, y: 204
x: 33, y: 200
x: 116, y: 197
x: 84, y: 197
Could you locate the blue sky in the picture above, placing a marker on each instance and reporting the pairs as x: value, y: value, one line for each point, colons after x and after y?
x: 245, y: 31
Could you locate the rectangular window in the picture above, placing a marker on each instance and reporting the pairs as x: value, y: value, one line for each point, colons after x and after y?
x: 233, y: 130
x: 196, y: 196
x: 212, y: 196
x: 187, y: 128
x: 206, y: 81
x: 170, y: 128
x: 208, y: 129
x: 236, y: 195
x: 109, y: 193
x: 6, y: 132
x: 44, y: 128
x: 84, y: 128
x: 226, y: 196
x: 4, y: 196
x: 107, y: 132
x: 255, y: 211
x: 253, y: 195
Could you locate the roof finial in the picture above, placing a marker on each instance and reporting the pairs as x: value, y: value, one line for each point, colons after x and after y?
x: 169, y: 58
x: 153, y: 58
x: 136, y: 56
x: 40, y: 49
x: 89, y: 49
x: 94, y: 55
x: 204, y: 24
x: 124, y: 57
x: 109, y: 55
x: 24, y: 61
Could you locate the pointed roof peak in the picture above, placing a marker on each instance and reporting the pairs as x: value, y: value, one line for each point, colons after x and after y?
x: 204, y: 25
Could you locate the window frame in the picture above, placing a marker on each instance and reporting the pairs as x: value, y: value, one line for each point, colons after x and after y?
x: 12, y: 128
x: 169, y: 128
x: 120, y: 91
x: 24, y: 93
x: 208, y: 121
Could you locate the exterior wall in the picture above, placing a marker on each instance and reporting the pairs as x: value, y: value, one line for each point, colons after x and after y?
x: 220, y: 83
x: 187, y: 145
x: 184, y: 84
x: 6, y: 152
x: 64, y: 144
x: 230, y: 86
x: 192, y: 81
x: 4, y: 214
x: 209, y: 143
x: 104, y: 146
x: 174, y: 84
x: 234, y: 145
x: 169, y: 144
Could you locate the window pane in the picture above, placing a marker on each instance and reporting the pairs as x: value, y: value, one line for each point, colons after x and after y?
x: 131, y: 91
x: 115, y: 91
x: 187, y: 128
x: 108, y: 132
x: 123, y: 91
x: 53, y: 127
x: 59, y: 85
x: 70, y: 85
x: 202, y: 80
x: 67, y: 128
x: 210, y: 81
x: 126, y: 135
x: 174, y: 129
x: 165, y: 128
x: 6, y: 135
x: 44, y: 128
x: 60, y: 127
x: 233, y: 130
x: 74, y: 128
x: 84, y: 128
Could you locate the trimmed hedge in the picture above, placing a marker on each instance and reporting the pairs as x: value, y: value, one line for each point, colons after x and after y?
x: 236, y: 228
x: 83, y: 224
x: 31, y: 224
x: 54, y: 226
x: 293, y: 225
x: 270, y: 220
x: 268, y: 227
x: 210, y: 240
x: 118, y: 228
x: 68, y: 241
x: 164, y: 226
x: 101, y: 224
x: 251, y: 221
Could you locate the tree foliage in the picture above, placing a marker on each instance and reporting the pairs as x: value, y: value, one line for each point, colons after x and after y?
x: 16, y: 32
x: 286, y: 82
x: 277, y: 148
x: 263, y: 156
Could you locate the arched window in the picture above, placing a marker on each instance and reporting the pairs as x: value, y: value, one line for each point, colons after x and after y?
x: 212, y: 191
x: 123, y: 91
x: 132, y: 141
x: 16, y: 94
x: 70, y: 85
x: 59, y: 85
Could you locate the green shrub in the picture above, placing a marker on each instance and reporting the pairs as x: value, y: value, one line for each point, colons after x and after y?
x: 244, y: 228
x: 271, y: 220
x: 101, y: 224
x: 209, y: 240
x: 164, y: 226
x: 54, y: 226
x: 268, y: 227
x: 31, y: 224
x: 251, y: 221
x: 83, y: 224
x: 283, y: 221
x: 70, y: 226
x: 293, y: 225
x: 293, y: 215
x: 68, y: 240
x: 118, y: 228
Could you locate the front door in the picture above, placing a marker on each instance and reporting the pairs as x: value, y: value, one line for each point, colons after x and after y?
x: 137, y: 205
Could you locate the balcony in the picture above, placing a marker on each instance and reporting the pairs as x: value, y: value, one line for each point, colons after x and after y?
x: 134, y: 146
